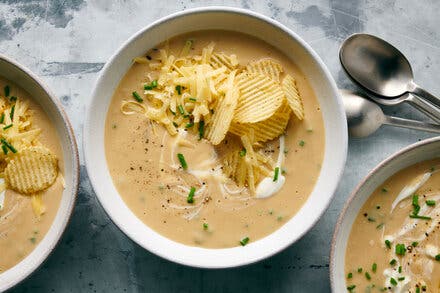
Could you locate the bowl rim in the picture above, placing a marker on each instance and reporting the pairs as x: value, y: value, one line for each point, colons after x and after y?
x: 271, y: 22
x: 342, y: 216
x: 26, y: 273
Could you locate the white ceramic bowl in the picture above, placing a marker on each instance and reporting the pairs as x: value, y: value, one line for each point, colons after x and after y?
x: 24, y: 78
x: 232, y: 19
x: 418, y: 152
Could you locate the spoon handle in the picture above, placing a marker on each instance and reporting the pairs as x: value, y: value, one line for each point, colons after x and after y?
x: 425, y: 95
x: 427, y: 108
x: 412, y: 124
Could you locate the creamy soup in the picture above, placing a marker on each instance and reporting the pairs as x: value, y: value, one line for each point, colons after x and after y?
x: 394, y: 245
x: 192, y: 202
x: 25, y: 219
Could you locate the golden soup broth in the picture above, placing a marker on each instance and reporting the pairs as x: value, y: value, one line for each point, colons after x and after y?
x: 134, y: 147
x: 20, y: 229
x: 376, y: 223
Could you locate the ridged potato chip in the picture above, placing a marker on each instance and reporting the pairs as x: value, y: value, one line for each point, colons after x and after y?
x: 266, y: 67
x: 31, y: 170
x: 267, y: 129
x: 260, y: 97
x: 221, y: 59
x: 222, y: 117
x: 293, y: 96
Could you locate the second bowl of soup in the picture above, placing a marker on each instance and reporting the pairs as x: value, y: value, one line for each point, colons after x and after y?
x: 215, y: 138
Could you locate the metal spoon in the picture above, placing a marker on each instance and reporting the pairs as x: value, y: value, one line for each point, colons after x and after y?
x: 364, y: 117
x: 383, y: 70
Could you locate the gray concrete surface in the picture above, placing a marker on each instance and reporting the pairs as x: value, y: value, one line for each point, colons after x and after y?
x: 68, y: 42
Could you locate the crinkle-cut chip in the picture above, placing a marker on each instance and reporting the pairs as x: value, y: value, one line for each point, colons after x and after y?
x: 32, y: 170
x: 267, y: 129
x: 260, y: 97
x: 267, y: 67
x: 222, y: 117
x: 221, y: 59
x: 293, y: 97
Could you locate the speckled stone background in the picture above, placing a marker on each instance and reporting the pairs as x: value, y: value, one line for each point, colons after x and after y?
x: 68, y: 42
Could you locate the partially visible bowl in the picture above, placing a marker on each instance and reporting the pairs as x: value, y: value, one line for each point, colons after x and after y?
x: 415, y: 153
x: 232, y: 19
x: 24, y: 78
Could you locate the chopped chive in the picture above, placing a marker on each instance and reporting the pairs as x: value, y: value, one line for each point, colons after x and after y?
x: 367, y: 275
x: 349, y: 276
x: 2, y: 118
x: 244, y: 241
x: 179, y: 89
x: 351, y: 287
x: 380, y: 226
x: 189, y: 125
x: 7, y: 90
x: 201, y: 129
x: 399, y: 269
x: 33, y: 240
x: 275, y: 176
x: 414, y: 244
x: 388, y: 244
x: 301, y: 143
x: 415, y: 200
x: 193, y: 99
x: 8, y: 145
x: 359, y: 270
x: 417, y: 290
x: 8, y: 126
x: 182, y: 161
x: 371, y: 219
x: 437, y: 257
x: 420, y: 217
x: 175, y: 124
x: 5, y: 149
x: 12, y: 112
x: 205, y: 226
x: 150, y: 86
x: 242, y: 153
x: 393, y: 262
x: 190, y: 198
x: 384, y: 189
x: 13, y: 99
x: 400, y: 279
x: 374, y: 267
x: 137, y: 97
x: 393, y: 282
x: 180, y: 108
x: 172, y: 112
x: 400, y: 249
x: 430, y: 203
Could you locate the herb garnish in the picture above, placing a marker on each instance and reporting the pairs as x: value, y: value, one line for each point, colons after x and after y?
x: 179, y: 89
x: 242, y: 153
x: 393, y: 282
x: 420, y: 217
x: 182, y: 161
x: 181, y: 111
x: 193, y: 99
x: 2, y: 118
x: 349, y: 276
x: 301, y: 143
x: 275, y: 176
x: 8, y: 145
x: 12, y: 112
x: 190, y: 198
x: 393, y: 262
x: 8, y: 126
x: 7, y: 90
x: 388, y: 243
x: 430, y: 203
x: 400, y: 249
x: 201, y: 129
x: 367, y: 275
x: 244, y: 241
x: 150, y: 86
x: 205, y: 226
x: 374, y: 267
x: 137, y: 97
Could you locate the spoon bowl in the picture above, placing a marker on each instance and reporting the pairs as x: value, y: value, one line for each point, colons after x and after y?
x: 383, y: 70
x: 364, y: 117
x: 376, y: 65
